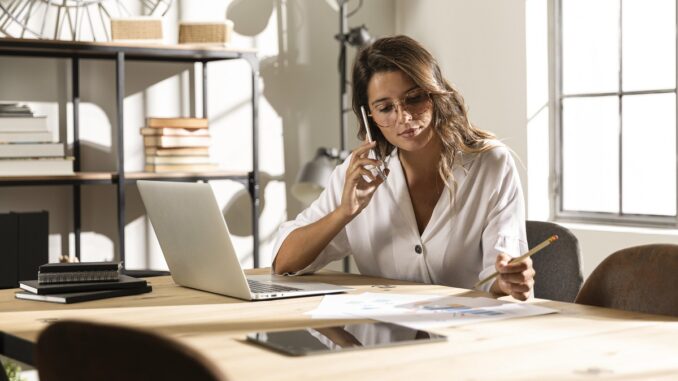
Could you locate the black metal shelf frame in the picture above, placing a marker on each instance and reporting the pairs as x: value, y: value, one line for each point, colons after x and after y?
x: 77, y: 51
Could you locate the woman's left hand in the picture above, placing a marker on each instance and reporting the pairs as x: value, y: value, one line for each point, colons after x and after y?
x: 515, y: 279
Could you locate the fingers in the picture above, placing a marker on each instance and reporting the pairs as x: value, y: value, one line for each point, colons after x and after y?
x: 363, y: 171
x: 363, y: 162
x: 504, y: 265
x: 517, y: 278
x: 521, y: 277
x: 522, y: 296
x: 362, y: 150
x: 517, y: 291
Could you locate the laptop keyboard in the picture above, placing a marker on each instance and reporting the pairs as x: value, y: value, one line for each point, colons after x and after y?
x: 261, y: 287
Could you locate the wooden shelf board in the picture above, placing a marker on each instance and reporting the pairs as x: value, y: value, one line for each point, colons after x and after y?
x: 85, y: 49
x: 112, y: 177
x: 78, y: 177
x: 133, y: 176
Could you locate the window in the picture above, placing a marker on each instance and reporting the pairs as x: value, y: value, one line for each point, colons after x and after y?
x: 615, y: 120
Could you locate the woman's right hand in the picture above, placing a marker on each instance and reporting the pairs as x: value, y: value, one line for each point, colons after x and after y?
x: 357, y: 191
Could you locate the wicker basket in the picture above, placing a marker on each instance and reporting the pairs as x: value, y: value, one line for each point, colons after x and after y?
x: 210, y: 33
x: 147, y: 29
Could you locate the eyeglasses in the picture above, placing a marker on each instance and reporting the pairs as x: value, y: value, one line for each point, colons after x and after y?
x: 415, y: 102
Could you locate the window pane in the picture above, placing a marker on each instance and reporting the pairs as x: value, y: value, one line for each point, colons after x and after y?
x: 648, y: 44
x: 591, y: 154
x: 649, y: 154
x: 590, y: 46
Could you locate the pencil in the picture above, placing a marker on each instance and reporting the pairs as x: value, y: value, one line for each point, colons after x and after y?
x: 534, y: 250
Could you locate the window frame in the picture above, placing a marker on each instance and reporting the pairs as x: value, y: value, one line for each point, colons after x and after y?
x: 557, y: 96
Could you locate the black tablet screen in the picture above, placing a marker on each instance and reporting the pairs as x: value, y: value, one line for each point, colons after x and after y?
x: 341, y: 338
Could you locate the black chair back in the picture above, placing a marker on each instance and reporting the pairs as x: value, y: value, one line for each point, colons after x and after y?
x: 76, y: 350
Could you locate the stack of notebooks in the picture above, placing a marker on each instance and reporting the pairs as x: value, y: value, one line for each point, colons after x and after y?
x: 79, y: 282
x: 26, y: 144
x: 177, y: 145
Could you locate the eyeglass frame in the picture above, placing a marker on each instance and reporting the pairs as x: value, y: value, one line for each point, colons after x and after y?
x: 400, y: 108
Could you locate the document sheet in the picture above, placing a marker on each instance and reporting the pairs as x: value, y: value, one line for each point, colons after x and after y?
x: 422, y: 311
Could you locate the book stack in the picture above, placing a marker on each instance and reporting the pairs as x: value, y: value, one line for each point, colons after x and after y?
x: 27, y: 146
x: 79, y: 282
x: 177, y: 145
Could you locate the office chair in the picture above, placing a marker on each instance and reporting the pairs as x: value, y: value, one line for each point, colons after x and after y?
x: 558, y: 266
x: 77, y: 350
x: 640, y: 278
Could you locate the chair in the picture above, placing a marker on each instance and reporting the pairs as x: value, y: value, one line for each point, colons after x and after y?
x: 640, y: 278
x: 75, y: 350
x: 558, y: 266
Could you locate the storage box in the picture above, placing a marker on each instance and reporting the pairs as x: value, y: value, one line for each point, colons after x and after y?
x: 206, y: 33
x: 137, y: 29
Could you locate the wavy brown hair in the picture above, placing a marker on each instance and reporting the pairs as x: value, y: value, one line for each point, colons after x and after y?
x: 450, y: 114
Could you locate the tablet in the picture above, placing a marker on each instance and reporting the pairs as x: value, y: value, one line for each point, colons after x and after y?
x: 310, y: 341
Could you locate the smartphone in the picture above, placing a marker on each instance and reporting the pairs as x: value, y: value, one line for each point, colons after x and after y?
x: 373, y: 154
x: 311, y: 341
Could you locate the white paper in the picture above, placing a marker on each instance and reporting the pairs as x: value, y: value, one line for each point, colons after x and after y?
x: 356, y: 306
x: 452, y: 311
x: 422, y: 311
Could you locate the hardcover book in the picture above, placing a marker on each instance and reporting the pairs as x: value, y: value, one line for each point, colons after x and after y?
x: 155, y: 160
x: 177, y: 122
x: 26, y: 137
x: 74, y: 297
x: 23, y: 123
x: 167, y: 131
x: 181, y: 168
x: 27, y: 150
x: 177, y: 141
x: 44, y: 166
x: 190, y: 151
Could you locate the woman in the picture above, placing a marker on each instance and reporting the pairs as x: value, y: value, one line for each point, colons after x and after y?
x: 451, y: 209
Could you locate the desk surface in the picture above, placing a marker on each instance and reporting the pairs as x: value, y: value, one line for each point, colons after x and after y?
x: 578, y: 343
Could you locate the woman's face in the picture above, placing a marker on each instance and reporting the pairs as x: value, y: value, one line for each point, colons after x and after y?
x: 401, y: 109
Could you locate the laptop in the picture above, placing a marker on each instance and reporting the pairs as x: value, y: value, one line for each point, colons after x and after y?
x: 197, y: 245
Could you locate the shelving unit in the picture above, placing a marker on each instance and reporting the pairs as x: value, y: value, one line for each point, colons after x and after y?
x: 120, y: 53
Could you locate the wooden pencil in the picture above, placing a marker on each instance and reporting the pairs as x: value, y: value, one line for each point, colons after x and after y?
x: 530, y: 253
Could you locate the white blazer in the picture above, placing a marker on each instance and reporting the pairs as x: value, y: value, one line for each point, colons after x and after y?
x: 459, y: 245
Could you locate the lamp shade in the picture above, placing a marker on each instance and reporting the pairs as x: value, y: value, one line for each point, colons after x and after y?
x: 359, y: 36
x: 313, y: 177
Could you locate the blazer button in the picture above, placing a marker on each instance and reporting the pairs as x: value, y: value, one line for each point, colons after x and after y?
x: 418, y: 249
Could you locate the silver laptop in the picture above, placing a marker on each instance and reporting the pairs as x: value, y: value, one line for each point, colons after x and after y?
x: 197, y: 245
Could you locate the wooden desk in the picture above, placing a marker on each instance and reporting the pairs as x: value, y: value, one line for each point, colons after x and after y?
x: 579, y: 343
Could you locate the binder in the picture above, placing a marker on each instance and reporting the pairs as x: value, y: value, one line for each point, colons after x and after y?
x: 33, y: 243
x: 9, y: 250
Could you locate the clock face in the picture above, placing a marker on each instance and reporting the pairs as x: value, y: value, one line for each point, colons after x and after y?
x: 76, y: 20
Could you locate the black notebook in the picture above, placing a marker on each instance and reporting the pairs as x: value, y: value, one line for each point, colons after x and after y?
x: 79, y: 266
x: 75, y: 297
x: 79, y: 272
x: 125, y: 281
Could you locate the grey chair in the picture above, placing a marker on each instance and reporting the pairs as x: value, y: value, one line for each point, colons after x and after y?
x: 558, y: 266
x: 640, y: 278
x: 83, y: 351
